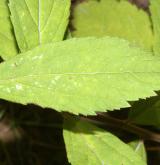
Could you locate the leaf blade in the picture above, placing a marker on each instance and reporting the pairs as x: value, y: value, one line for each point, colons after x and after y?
x: 65, y: 77
x: 88, y: 144
x: 8, y: 47
x: 116, y: 22
x: 39, y: 22
x: 139, y: 148
x: 146, y: 112
x: 154, y: 8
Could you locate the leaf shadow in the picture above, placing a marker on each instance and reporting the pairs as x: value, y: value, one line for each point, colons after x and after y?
x: 79, y: 124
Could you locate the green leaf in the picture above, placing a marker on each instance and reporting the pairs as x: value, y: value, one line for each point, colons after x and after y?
x: 139, y: 148
x: 88, y: 144
x: 146, y: 112
x: 81, y: 75
x: 120, y: 19
x: 155, y: 16
x: 38, y: 22
x: 8, y: 47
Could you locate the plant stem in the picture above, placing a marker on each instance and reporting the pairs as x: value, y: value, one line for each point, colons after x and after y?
x: 124, y: 125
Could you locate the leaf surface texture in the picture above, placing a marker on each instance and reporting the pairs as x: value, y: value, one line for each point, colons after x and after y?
x: 81, y: 75
x: 39, y: 21
x: 139, y: 147
x: 155, y: 16
x: 8, y: 47
x: 88, y: 144
x: 112, y: 18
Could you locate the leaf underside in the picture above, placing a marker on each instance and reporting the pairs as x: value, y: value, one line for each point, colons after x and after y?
x: 96, y: 147
x: 8, y: 47
x: 118, y: 19
x: 81, y: 75
x: 39, y: 21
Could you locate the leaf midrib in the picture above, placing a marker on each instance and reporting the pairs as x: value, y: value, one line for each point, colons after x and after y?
x: 89, y: 74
